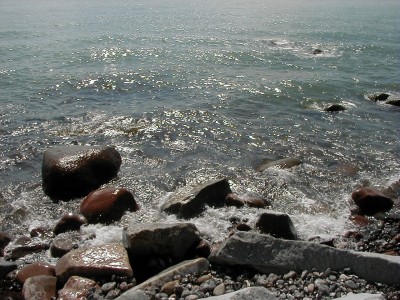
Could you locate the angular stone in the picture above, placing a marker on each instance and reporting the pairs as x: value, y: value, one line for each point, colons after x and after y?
x: 271, y: 255
x: 41, y: 287
x: 173, y: 240
x: 191, y: 200
x: 94, y: 261
x: 371, y: 201
x: 35, y: 269
x: 77, y: 288
x: 198, y: 266
x: 283, y: 163
x: 73, y: 171
x: 69, y: 222
x: 250, y: 293
x: 107, y: 205
x: 277, y: 224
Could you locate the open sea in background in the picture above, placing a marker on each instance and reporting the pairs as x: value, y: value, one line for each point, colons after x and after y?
x: 189, y: 91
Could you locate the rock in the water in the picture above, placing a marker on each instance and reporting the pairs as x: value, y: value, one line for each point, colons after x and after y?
x: 271, y: 255
x: 317, y: 51
x: 73, y: 171
x: 77, y: 288
x: 395, y: 102
x: 335, y: 108
x: 371, y: 201
x: 107, y: 205
x: 277, y: 224
x: 191, y: 200
x: 41, y: 287
x: 234, y: 200
x: 25, y: 245
x: 42, y: 232
x: 257, y: 202
x: 69, y: 222
x: 4, y: 240
x: 61, y: 246
x: 172, y: 240
x: 94, y: 261
x: 379, y: 97
x: 6, y: 267
x: 250, y: 293
x: 35, y: 269
x: 284, y: 163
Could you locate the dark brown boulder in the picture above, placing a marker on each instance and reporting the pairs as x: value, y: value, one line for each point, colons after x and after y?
x: 69, y: 222
x: 107, y: 205
x: 278, y: 225
x: 73, y: 171
x: 35, y: 269
x: 233, y: 200
x: 371, y: 201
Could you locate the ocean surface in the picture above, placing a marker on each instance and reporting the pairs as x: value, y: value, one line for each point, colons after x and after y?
x: 189, y: 91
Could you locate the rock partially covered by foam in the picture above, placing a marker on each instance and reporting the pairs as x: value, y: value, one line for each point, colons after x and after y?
x: 371, y: 201
x: 278, y: 225
x: 73, y: 171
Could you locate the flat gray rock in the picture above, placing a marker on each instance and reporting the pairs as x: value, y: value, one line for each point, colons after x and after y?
x: 250, y: 293
x: 362, y: 296
x: 271, y: 255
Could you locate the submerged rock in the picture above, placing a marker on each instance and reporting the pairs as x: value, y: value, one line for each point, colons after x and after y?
x: 191, y: 200
x: 107, y: 205
x: 278, y: 225
x: 284, y: 163
x: 371, y: 201
x: 335, y: 108
x: 379, y: 97
x: 73, y: 171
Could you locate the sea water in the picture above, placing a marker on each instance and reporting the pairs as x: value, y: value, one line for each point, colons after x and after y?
x: 189, y: 91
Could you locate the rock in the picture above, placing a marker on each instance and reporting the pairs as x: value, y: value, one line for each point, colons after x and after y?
x: 284, y: 163
x: 73, y: 171
x: 191, y: 200
x: 134, y: 295
x: 173, y: 240
x: 107, y: 205
x: 317, y: 51
x: 243, y: 227
x: 41, y: 232
x: 219, y: 289
x: 277, y: 224
x: 393, y: 102
x: 61, y: 246
x: 69, y: 222
x: 379, y: 97
x: 202, y: 249
x: 197, y: 266
x: 27, y: 246
x: 5, y: 239
x: 6, y: 267
x: 271, y: 255
x: 168, y: 288
x: 76, y: 288
x: 94, y: 261
x: 234, y: 200
x: 250, y: 293
x: 371, y: 201
x: 362, y: 296
x: 35, y: 269
x: 41, y: 287
x: 257, y: 202
x: 346, y: 169
x: 360, y: 220
x: 335, y: 108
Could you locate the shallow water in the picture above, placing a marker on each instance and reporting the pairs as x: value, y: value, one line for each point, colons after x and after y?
x: 188, y: 91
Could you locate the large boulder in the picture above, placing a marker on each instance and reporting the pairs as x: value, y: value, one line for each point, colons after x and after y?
x: 267, y: 254
x: 371, y: 201
x: 94, y: 261
x: 73, y: 171
x: 191, y: 200
x: 107, y: 205
x: 278, y: 225
x: 284, y: 163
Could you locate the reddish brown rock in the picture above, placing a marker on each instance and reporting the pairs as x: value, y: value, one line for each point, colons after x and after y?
x: 35, y: 269
x: 25, y: 245
x: 371, y: 201
x: 76, y: 288
x: 108, y: 204
x: 233, y: 200
x: 61, y: 246
x: 69, y: 222
x: 41, y: 287
x: 360, y: 220
x: 74, y: 171
x: 94, y: 261
x: 257, y: 202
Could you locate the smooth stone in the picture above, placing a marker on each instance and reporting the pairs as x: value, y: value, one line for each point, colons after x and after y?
x: 168, y: 288
x: 257, y: 202
x: 249, y: 293
x: 133, y: 295
x: 267, y: 254
x: 73, y: 171
x: 379, y: 97
x: 233, y: 200
x: 35, y: 269
x: 277, y: 224
x: 198, y: 266
x: 190, y: 201
x: 61, y: 246
x: 284, y: 163
x: 107, y: 205
x: 41, y: 287
x: 335, y: 108
x: 94, y: 261
x: 360, y: 220
x: 203, y: 249
x: 69, y: 222
x: 219, y: 289
x: 76, y: 288
x: 371, y: 201
x: 243, y: 227
x: 174, y: 240
x: 362, y: 296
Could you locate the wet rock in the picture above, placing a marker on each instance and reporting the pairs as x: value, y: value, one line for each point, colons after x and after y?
x: 257, y: 202
x: 316, y: 51
x: 371, y: 201
x: 107, y: 205
x: 5, y: 239
x: 191, y: 200
x: 35, y: 269
x: 26, y: 245
x: 173, y: 240
x: 284, y: 163
x: 77, y: 288
x: 6, y: 267
x: 277, y: 224
x: 73, y: 171
x: 394, y: 102
x: 234, y: 200
x: 243, y: 227
x: 267, y: 254
x: 346, y: 169
x: 61, y: 246
x: 202, y: 249
x: 41, y: 287
x: 335, y: 108
x: 69, y: 222
x: 379, y: 97
x: 94, y: 261
x: 41, y: 232
x: 360, y: 220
